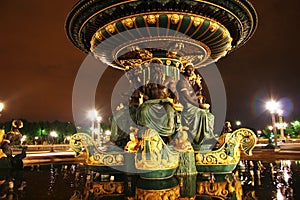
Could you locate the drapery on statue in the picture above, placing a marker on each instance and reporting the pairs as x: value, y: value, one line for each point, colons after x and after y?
x: 195, y: 115
x: 160, y: 111
x: 156, y: 105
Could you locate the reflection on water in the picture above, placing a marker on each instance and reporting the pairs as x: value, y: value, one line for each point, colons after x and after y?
x: 275, y: 180
x: 251, y: 180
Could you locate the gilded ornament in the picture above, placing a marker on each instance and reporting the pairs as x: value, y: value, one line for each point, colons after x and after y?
x: 200, y: 57
x: 106, y: 188
x: 133, y: 144
x: 2, y: 133
x: 223, y: 190
x: 98, y: 35
x: 151, y: 19
x: 213, y: 27
x: 164, y: 194
x: 168, y: 62
x: 197, y: 21
x: 93, y: 44
x: 94, y: 156
x: 110, y: 28
x: 229, y: 153
x: 119, y: 158
x: 225, y: 33
x: 175, y: 19
x: 128, y: 22
x: 229, y: 40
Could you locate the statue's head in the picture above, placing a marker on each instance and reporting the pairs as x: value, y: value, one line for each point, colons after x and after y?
x: 17, y: 124
x: 189, y: 69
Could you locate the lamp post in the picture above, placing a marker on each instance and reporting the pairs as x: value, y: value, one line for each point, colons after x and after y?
x: 100, y: 136
x: 273, y: 107
x: 53, y: 134
x: 281, y: 124
x: 92, y: 114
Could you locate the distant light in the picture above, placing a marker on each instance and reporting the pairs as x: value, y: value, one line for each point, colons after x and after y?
x: 238, y: 123
x: 270, y: 128
x: 1, y: 106
x: 36, y: 137
x: 92, y: 114
x: 99, y: 118
x: 272, y: 106
x: 53, y: 134
x: 281, y: 125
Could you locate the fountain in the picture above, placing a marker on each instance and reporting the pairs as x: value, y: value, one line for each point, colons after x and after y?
x: 163, y: 126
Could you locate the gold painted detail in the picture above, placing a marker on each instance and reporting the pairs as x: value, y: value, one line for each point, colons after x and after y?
x: 215, y: 45
x: 134, y: 142
x: 229, y: 153
x: 170, y: 193
x: 197, y: 21
x: 2, y: 133
x: 213, y: 26
x: 222, y: 190
x: 151, y: 19
x: 128, y: 22
x: 111, y: 28
x: 106, y: 159
x: 154, y: 154
x: 175, y: 18
x: 80, y: 141
x: 107, y: 188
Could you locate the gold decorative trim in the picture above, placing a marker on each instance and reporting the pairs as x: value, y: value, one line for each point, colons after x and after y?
x: 107, y: 188
x: 129, y: 22
x: 152, y: 19
x: 229, y: 153
x: 80, y: 141
x: 222, y: 190
x: 170, y: 193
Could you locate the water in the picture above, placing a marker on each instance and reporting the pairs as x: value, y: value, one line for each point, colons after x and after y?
x: 251, y: 180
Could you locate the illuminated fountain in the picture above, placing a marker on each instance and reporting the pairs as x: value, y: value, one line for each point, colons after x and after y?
x: 159, y: 45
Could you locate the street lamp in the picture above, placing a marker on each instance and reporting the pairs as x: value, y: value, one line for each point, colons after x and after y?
x: 92, y: 114
x: 281, y: 125
x: 1, y: 107
x: 273, y: 107
x: 100, y: 136
x: 53, y: 134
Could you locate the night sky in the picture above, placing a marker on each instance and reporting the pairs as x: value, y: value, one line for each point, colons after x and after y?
x: 39, y: 64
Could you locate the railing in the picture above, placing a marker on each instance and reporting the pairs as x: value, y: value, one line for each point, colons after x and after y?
x: 48, y: 147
